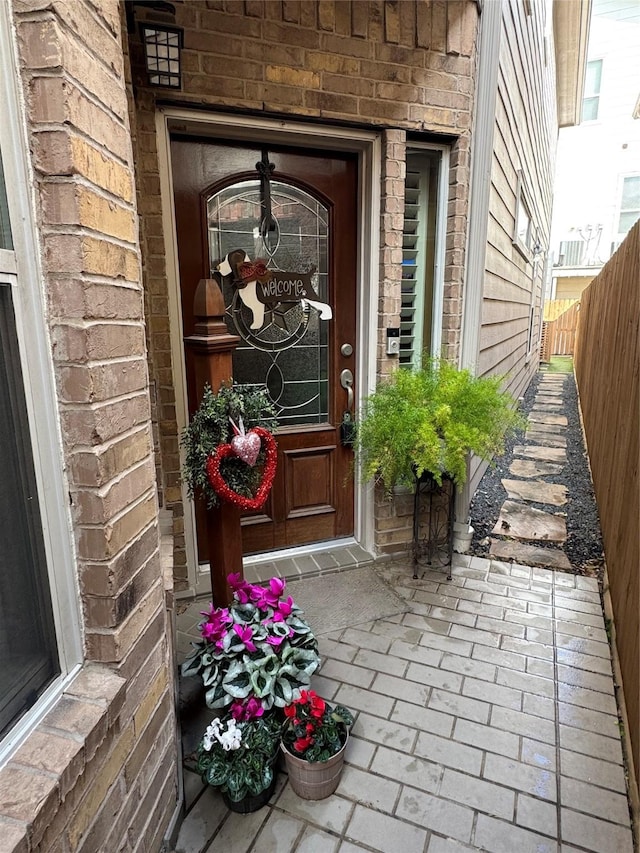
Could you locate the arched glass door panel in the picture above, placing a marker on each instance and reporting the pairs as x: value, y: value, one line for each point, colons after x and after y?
x: 287, y: 347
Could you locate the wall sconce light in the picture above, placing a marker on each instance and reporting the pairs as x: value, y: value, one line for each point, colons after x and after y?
x: 162, y: 45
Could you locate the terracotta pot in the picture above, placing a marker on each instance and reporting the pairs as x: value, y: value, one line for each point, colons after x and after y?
x: 250, y: 803
x: 314, y: 780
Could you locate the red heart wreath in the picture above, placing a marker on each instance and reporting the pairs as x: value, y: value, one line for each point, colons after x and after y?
x: 222, y: 488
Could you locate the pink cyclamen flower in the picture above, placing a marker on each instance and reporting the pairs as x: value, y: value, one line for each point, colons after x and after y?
x: 269, y: 596
x: 251, y: 709
x: 214, y: 630
x: 284, y: 610
x: 245, y: 635
x: 241, y: 589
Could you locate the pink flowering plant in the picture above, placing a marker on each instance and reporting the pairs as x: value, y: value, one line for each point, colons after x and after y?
x: 255, y: 655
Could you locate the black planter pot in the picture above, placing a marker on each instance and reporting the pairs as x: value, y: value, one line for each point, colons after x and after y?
x: 250, y: 803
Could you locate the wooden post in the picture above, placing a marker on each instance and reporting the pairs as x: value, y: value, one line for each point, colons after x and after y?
x: 212, y: 347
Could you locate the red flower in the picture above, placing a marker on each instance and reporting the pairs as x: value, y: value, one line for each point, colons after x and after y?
x: 302, y: 743
x: 317, y: 707
x: 290, y: 711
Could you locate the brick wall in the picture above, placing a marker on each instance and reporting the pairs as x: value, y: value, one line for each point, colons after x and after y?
x: 400, y: 66
x: 99, y: 772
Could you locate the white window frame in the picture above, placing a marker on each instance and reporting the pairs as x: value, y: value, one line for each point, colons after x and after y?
x: 620, y: 235
x: 589, y: 95
x: 523, y: 205
x: 21, y: 268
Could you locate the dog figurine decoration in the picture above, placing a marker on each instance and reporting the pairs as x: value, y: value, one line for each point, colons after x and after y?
x: 259, y: 287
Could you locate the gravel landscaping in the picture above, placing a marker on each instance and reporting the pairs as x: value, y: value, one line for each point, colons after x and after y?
x: 583, y: 546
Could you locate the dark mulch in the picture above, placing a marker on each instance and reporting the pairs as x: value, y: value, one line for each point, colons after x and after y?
x: 583, y: 546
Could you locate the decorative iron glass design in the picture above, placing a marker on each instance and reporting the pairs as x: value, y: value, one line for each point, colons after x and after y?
x: 289, y: 353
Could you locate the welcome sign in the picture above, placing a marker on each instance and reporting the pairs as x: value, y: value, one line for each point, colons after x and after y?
x: 259, y: 286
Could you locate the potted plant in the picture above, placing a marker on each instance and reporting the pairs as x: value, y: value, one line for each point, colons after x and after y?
x: 256, y: 655
x: 238, y: 757
x: 430, y: 420
x: 314, y: 740
x: 417, y: 431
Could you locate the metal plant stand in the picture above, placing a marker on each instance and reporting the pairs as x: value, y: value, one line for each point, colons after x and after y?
x: 433, y: 512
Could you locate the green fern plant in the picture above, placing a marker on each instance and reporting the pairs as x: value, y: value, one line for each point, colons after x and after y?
x: 430, y: 420
x: 210, y: 426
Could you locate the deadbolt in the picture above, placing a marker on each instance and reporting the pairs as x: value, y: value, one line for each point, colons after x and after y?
x: 346, y: 350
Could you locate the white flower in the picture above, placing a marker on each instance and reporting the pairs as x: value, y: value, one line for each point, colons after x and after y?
x: 229, y: 739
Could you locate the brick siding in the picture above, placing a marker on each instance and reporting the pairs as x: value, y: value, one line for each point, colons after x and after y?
x: 99, y: 772
x: 396, y: 66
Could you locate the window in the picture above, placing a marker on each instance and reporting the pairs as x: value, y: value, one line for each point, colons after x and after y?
x: 629, y: 204
x: 6, y: 241
x: 419, y: 256
x: 28, y: 647
x: 524, y: 233
x: 40, y: 642
x: 591, y: 100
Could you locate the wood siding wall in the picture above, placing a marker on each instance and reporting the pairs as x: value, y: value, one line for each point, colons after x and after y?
x: 607, y: 365
x: 524, y: 141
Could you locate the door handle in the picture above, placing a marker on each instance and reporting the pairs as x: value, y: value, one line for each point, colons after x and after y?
x: 346, y: 380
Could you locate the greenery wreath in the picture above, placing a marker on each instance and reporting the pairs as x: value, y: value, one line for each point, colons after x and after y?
x: 211, y: 426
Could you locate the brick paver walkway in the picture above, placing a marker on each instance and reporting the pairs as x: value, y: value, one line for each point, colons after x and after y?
x: 485, y: 720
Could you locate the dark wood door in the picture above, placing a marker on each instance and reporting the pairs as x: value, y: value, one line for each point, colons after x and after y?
x: 294, y: 348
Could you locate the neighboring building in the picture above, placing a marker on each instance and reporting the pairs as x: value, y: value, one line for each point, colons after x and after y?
x: 412, y: 146
x: 597, y: 184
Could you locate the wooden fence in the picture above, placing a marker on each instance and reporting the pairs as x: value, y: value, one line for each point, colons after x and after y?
x: 559, y: 328
x: 607, y: 367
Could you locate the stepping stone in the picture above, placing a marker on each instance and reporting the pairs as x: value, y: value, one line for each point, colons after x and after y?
x: 546, y: 454
x: 526, y: 522
x: 537, y: 437
x: 531, y: 468
x: 529, y: 555
x: 547, y: 407
x: 550, y: 429
x: 536, y: 491
x: 537, y: 417
x: 548, y: 397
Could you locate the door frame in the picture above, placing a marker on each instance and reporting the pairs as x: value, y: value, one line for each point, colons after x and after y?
x: 368, y: 146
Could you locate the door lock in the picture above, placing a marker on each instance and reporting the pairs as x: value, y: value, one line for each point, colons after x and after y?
x: 346, y: 380
x: 347, y: 427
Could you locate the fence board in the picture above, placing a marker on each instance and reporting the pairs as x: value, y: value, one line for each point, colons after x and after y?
x: 607, y: 366
x: 560, y: 328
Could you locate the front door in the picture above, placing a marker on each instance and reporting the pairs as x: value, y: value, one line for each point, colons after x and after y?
x: 302, y: 220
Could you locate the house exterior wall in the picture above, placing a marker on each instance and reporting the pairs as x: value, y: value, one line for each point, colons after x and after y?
x: 595, y: 156
x: 399, y: 68
x: 99, y: 771
x: 573, y: 286
x: 524, y: 141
